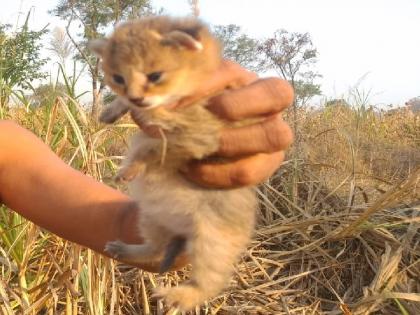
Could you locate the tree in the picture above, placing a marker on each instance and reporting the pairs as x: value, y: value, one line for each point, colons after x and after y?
x: 292, y: 55
x: 94, y: 17
x: 306, y: 88
x: 337, y: 102
x: 47, y: 93
x: 20, y: 61
x: 239, y: 46
x: 413, y: 104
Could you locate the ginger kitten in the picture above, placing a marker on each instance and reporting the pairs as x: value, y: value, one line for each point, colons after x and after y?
x: 151, y: 63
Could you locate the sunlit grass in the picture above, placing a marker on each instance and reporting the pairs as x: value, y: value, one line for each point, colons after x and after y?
x: 345, y: 238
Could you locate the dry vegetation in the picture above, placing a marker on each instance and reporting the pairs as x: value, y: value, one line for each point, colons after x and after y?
x: 339, y: 226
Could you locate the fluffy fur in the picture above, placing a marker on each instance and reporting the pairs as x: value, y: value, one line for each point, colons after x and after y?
x: 216, y: 224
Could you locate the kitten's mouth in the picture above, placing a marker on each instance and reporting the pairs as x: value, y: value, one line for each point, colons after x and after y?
x: 143, y: 105
x: 150, y: 102
x: 138, y: 102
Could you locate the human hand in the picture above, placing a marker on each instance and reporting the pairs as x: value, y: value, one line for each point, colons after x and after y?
x: 255, y: 152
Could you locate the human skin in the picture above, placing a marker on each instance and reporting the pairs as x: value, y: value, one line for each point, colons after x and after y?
x: 41, y: 187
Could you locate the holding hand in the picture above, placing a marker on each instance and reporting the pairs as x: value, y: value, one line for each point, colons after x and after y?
x: 256, y: 151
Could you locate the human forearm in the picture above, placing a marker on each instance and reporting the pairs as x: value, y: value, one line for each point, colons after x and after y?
x: 41, y: 187
x: 37, y: 184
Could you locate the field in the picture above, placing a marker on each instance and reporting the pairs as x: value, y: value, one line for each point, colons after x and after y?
x: 338, y: 228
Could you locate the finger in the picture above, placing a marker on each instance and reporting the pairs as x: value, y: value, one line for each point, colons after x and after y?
x: 270, y: 135
x: 247, y: 171
x: 262, y: 97
x: 229, y: 74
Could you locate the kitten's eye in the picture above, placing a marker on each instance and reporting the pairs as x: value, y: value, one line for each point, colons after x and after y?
x: 118, y: 79
x: 154, y: 76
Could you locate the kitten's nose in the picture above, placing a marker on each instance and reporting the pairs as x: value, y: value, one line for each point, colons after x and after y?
x: 138, y: 101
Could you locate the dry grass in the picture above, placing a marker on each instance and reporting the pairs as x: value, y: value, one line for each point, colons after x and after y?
x: 338, y: 228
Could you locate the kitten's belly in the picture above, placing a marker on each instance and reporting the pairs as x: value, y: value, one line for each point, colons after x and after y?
x: 179, y: 205
x: 167, y: 198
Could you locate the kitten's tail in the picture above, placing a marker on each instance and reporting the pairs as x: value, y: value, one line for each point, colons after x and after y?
x: 175, y: 247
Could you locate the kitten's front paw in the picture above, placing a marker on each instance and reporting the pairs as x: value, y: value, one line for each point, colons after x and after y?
x: 107, y: 116
x: 116, y: 249
x: 128, y: 173
x: 112, y: 112
x: 184, y: 297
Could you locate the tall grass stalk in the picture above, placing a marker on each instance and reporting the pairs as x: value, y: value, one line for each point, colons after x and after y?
x: 338, y: 227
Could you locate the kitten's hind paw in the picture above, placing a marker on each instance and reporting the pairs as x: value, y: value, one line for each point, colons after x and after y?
x: 116, y: 249
x: 184, y: 297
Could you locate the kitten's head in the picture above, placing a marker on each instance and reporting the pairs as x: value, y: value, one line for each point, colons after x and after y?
x: 156, y: 61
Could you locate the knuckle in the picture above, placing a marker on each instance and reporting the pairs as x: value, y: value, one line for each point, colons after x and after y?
x: 287, y: 135
x: 222, y: 106
x: 243, y: 176
x: 227, y: 105
x: 273, y: 162
x: 281, y: 91
x: 278, y: 134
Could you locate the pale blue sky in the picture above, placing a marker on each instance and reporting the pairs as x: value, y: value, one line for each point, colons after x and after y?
x: 353, y: 37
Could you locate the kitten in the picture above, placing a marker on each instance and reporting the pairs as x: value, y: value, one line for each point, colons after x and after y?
x: 151, y: 63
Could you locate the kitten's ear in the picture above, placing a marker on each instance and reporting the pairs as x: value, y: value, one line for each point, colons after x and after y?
x: 180, y: 38
x: 97, y: 46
